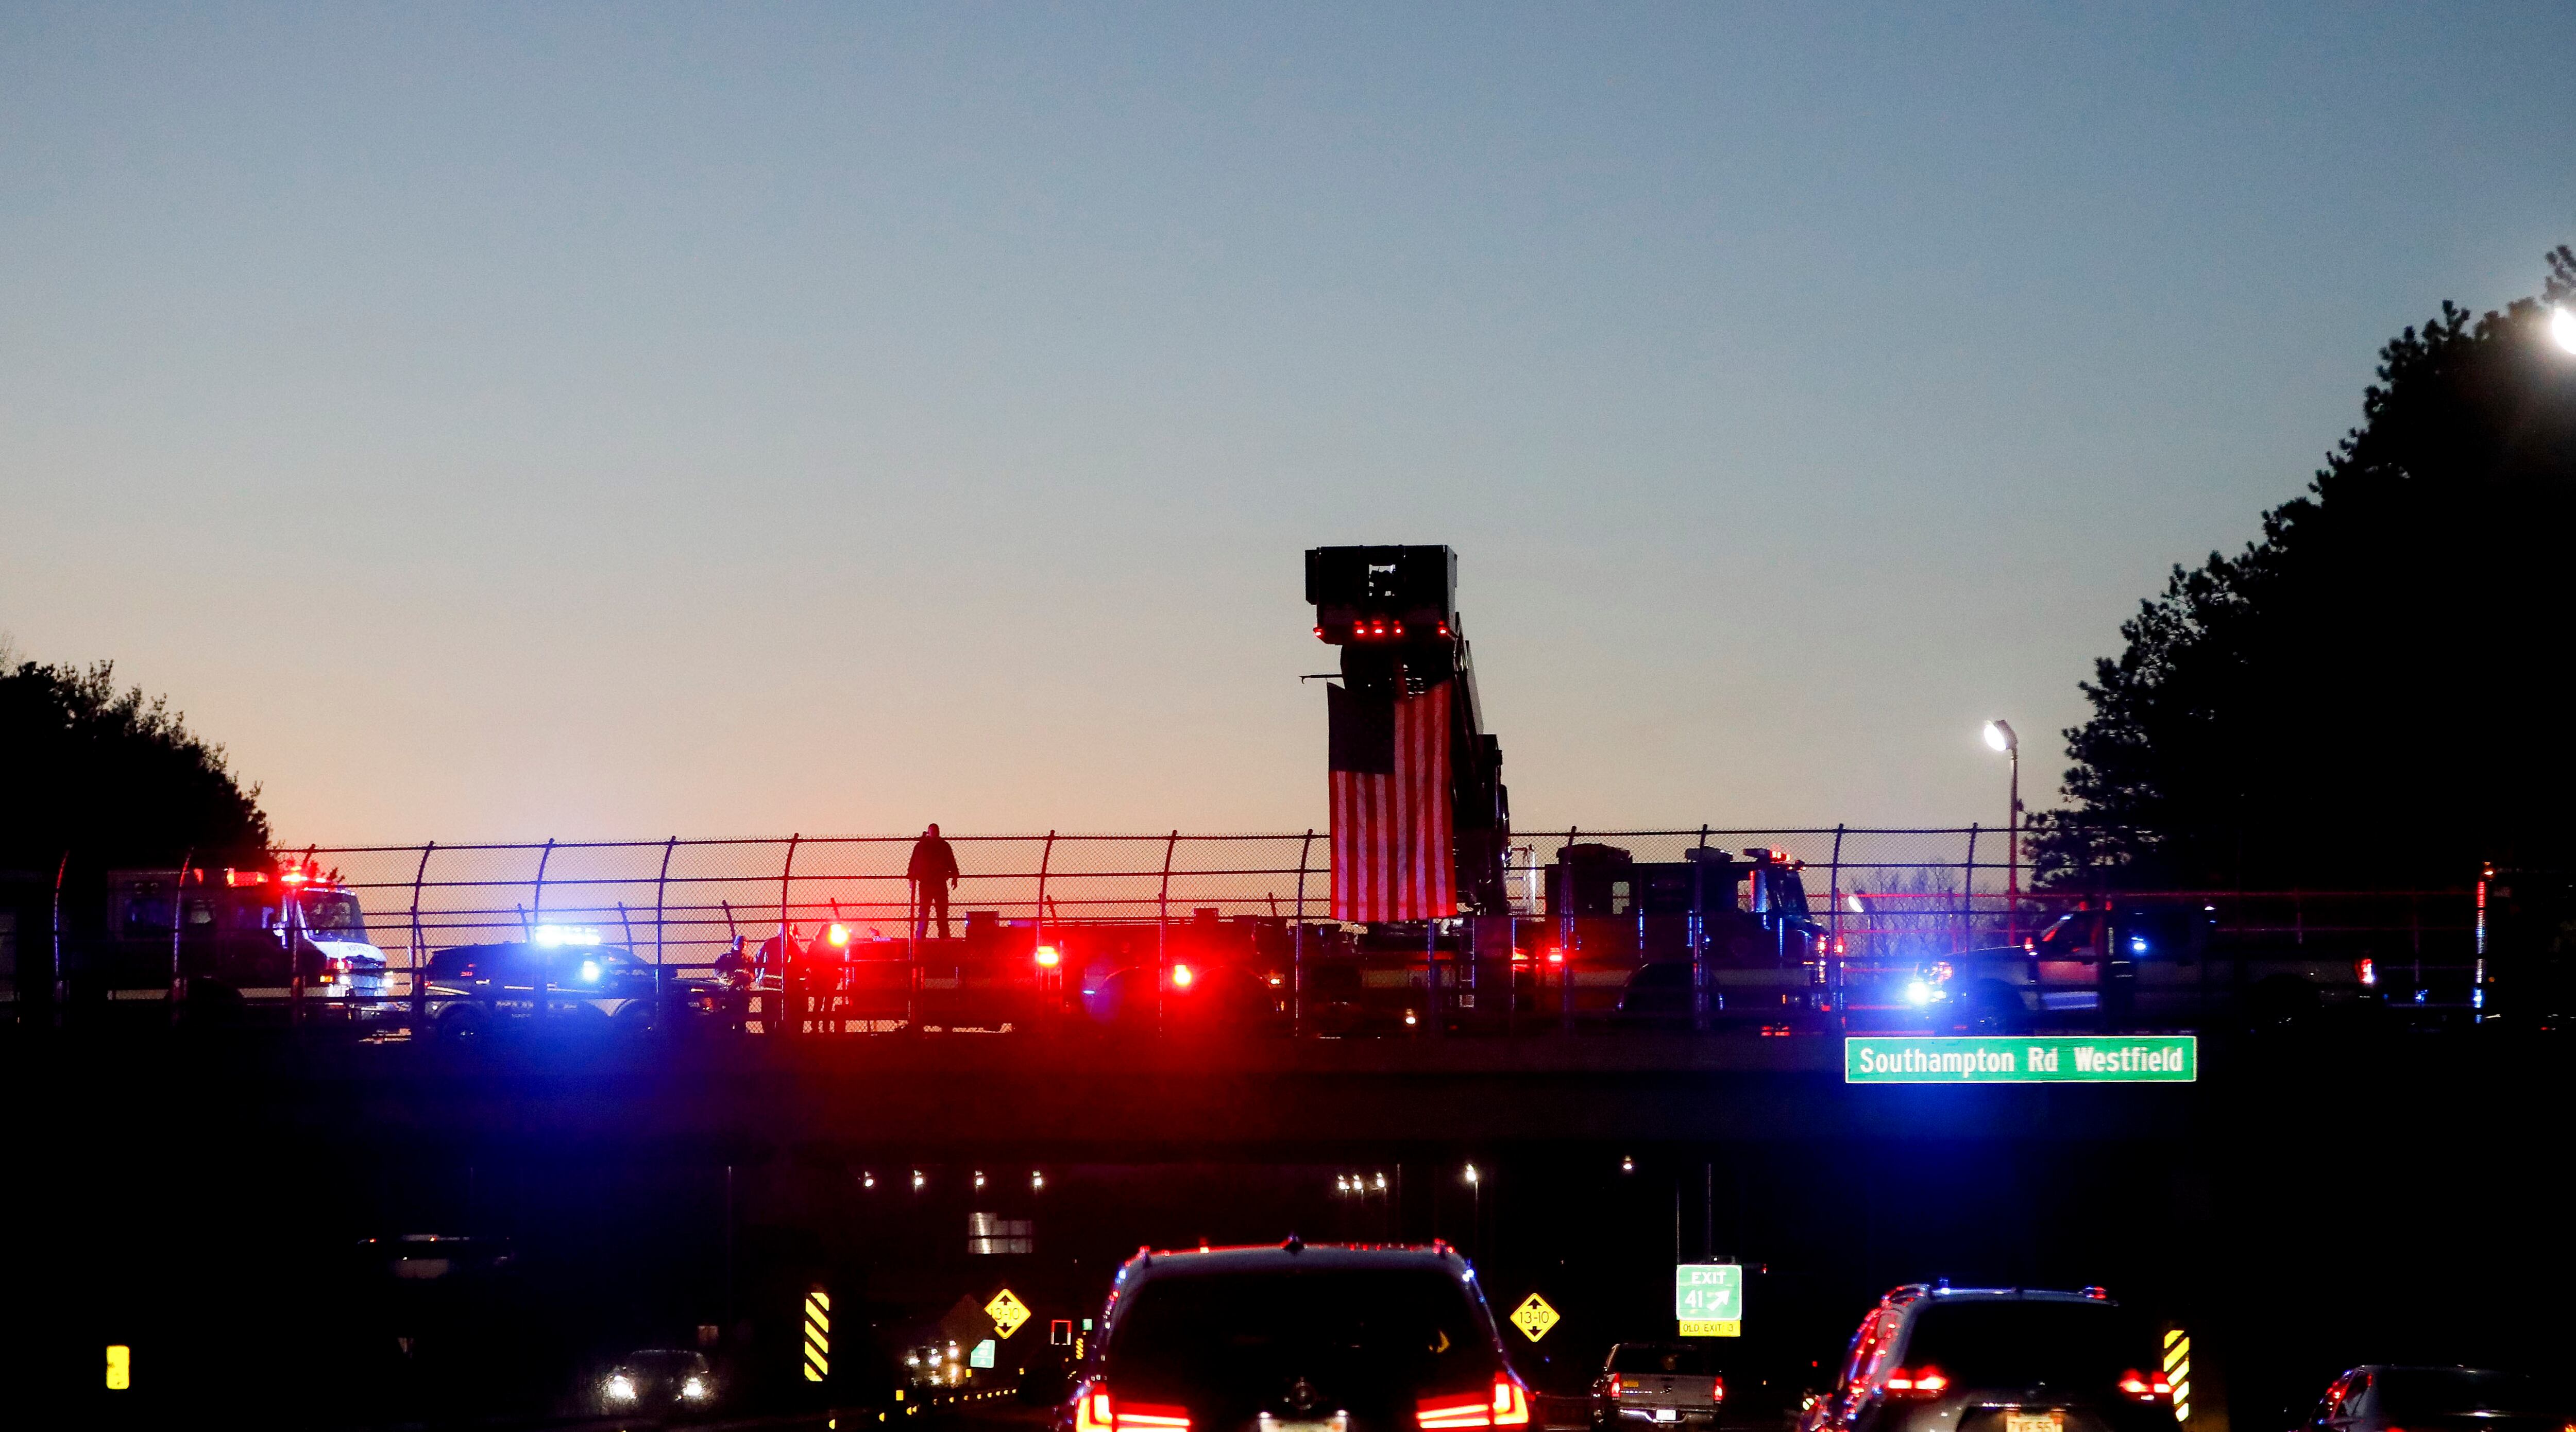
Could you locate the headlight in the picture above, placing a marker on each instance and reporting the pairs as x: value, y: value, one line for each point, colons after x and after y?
x: 1918, y: 993
x: 622, y: 1388
x: 693, y: 1389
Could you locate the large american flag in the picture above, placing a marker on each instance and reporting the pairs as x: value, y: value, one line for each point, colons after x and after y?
x: 1391, y: 819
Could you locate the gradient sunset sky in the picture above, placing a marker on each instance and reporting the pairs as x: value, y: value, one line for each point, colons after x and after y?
x: 622, y: 420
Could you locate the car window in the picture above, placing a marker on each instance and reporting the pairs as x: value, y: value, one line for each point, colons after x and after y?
x: 2410, y: 1392
x: 2071, y: 934
x: 1680, y: 1361
x: 1366, y: 1332
x: 2070, y: 1345
x: 2356, y: 1396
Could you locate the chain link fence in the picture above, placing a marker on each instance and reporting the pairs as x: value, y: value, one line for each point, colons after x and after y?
x: 1079, y: 913
x: 682, y: 902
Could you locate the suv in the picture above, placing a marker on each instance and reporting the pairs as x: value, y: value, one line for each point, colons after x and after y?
x: 1294, y: 1338
x: 1997, y: 1360
x: 1661, y: 1383
x: 472, y: 987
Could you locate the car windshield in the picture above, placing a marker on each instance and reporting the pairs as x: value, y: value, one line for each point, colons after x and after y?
x: 2405, y: 1392
x: 1688, y: 1361
x: 591, y: 967
x: 333, y: 915
x: 2071, y: 1346
x: 1357, y: 1334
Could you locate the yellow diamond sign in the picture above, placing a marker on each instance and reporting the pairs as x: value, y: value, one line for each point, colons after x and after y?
x: 1534, y: 1317
x: 1007, y: 1312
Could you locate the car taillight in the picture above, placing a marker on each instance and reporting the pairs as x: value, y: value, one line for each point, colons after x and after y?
x: 1506, y: 1406
x: 1917, y: 1382
x: 1095, y: 1412
x: 2366, y: 971
x: 1614, y: 1384
x: 1717, y: 1390
x: 2143, y: 1387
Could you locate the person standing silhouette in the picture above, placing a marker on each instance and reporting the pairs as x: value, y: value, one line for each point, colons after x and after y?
x: 933, y: 873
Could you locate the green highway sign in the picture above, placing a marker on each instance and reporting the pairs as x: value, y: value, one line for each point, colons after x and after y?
x: 2089, y: 1059
x: 1708, y: 1299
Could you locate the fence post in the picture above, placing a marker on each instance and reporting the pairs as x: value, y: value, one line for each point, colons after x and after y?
x: 1698, y: 935
x: 62, y: 976
x: 534, y: 916
x: 537, y: 897
x: 1297, y: 955
x: 1046, y: 857
x: 419, y: 980
x: 178, y: 924
x: 785, y: 1019
x: 661, y: 882
x: 1968, y: 896
x: 1834, y: 956
x: 1564, y: 900
x: 1163, y: 930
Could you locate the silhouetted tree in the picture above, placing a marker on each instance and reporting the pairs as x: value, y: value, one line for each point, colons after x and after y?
x: 110, y: 777
x: 2374, y: 693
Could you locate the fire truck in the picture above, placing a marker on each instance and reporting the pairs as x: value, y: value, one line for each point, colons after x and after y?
x: 221, y: 941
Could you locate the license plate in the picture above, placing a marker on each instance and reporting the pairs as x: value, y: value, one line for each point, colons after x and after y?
x: 1666, y: 1414
x: 2049, y: 1421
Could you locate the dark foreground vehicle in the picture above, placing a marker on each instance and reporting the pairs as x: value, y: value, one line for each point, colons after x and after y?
x: 1997, y: 1360
x: 1667, y: 1384
x: 1297, y: 1339
x: 2380, y: 1398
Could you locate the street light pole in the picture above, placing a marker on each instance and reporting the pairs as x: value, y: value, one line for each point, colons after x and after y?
x: 1999, y: 735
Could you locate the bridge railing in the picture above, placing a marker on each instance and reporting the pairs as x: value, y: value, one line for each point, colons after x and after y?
x: 1883, y: 906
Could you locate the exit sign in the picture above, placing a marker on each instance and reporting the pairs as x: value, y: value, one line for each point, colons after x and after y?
x: 2092, y: 1059
x: 1708, y: 1299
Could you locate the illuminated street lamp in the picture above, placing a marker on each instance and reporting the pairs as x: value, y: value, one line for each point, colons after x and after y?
x: 2562, y: 327
x: 1999, y: 735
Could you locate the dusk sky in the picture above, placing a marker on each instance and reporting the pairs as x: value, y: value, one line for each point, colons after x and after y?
x: 511, y: 422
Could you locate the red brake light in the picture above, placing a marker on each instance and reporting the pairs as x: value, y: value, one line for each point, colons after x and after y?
x: 1614, y: 1384
x: 2139, y: 1386
x: 1049, y: 957
x: 1917, y: 1382
x: 1507, y: 1406
x: 1182, y: 976
x: 1717, y: 1391
x: 839, y: 934
x: 1094, y: 1412
x: 2366, y: 970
